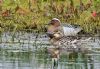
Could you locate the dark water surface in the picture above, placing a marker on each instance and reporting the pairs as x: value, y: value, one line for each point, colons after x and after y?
x: 25, y: 51
x: 30, y: 60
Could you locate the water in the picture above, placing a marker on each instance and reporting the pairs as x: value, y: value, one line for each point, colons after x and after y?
x: 30, y: 60
x: 23, y: 51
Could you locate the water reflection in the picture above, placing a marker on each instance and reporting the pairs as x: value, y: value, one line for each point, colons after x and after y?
x: 37, y: 60
x: 21, y: 52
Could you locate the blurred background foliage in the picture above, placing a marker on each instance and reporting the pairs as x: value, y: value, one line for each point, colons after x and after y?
x: 17, y: 15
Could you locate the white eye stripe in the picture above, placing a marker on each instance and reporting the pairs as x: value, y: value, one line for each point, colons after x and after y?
x: 56, y: 19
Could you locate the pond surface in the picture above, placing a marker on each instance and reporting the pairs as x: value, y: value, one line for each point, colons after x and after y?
x: 25, y: 51
x: 30, y: 60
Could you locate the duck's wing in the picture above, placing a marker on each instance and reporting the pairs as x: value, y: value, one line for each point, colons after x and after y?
x: 71, y: 30
x: 70, y: 25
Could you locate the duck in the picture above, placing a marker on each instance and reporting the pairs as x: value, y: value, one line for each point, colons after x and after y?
x: 64, y: 34
x: 56, y: 29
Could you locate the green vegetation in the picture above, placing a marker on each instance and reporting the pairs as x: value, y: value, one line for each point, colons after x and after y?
x: 35, y: 14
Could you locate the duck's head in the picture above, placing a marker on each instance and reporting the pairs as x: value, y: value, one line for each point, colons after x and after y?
x: 58, y: 35
x: 55, y: 22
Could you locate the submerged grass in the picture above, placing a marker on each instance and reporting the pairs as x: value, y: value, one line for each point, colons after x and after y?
x: 17, y: 15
